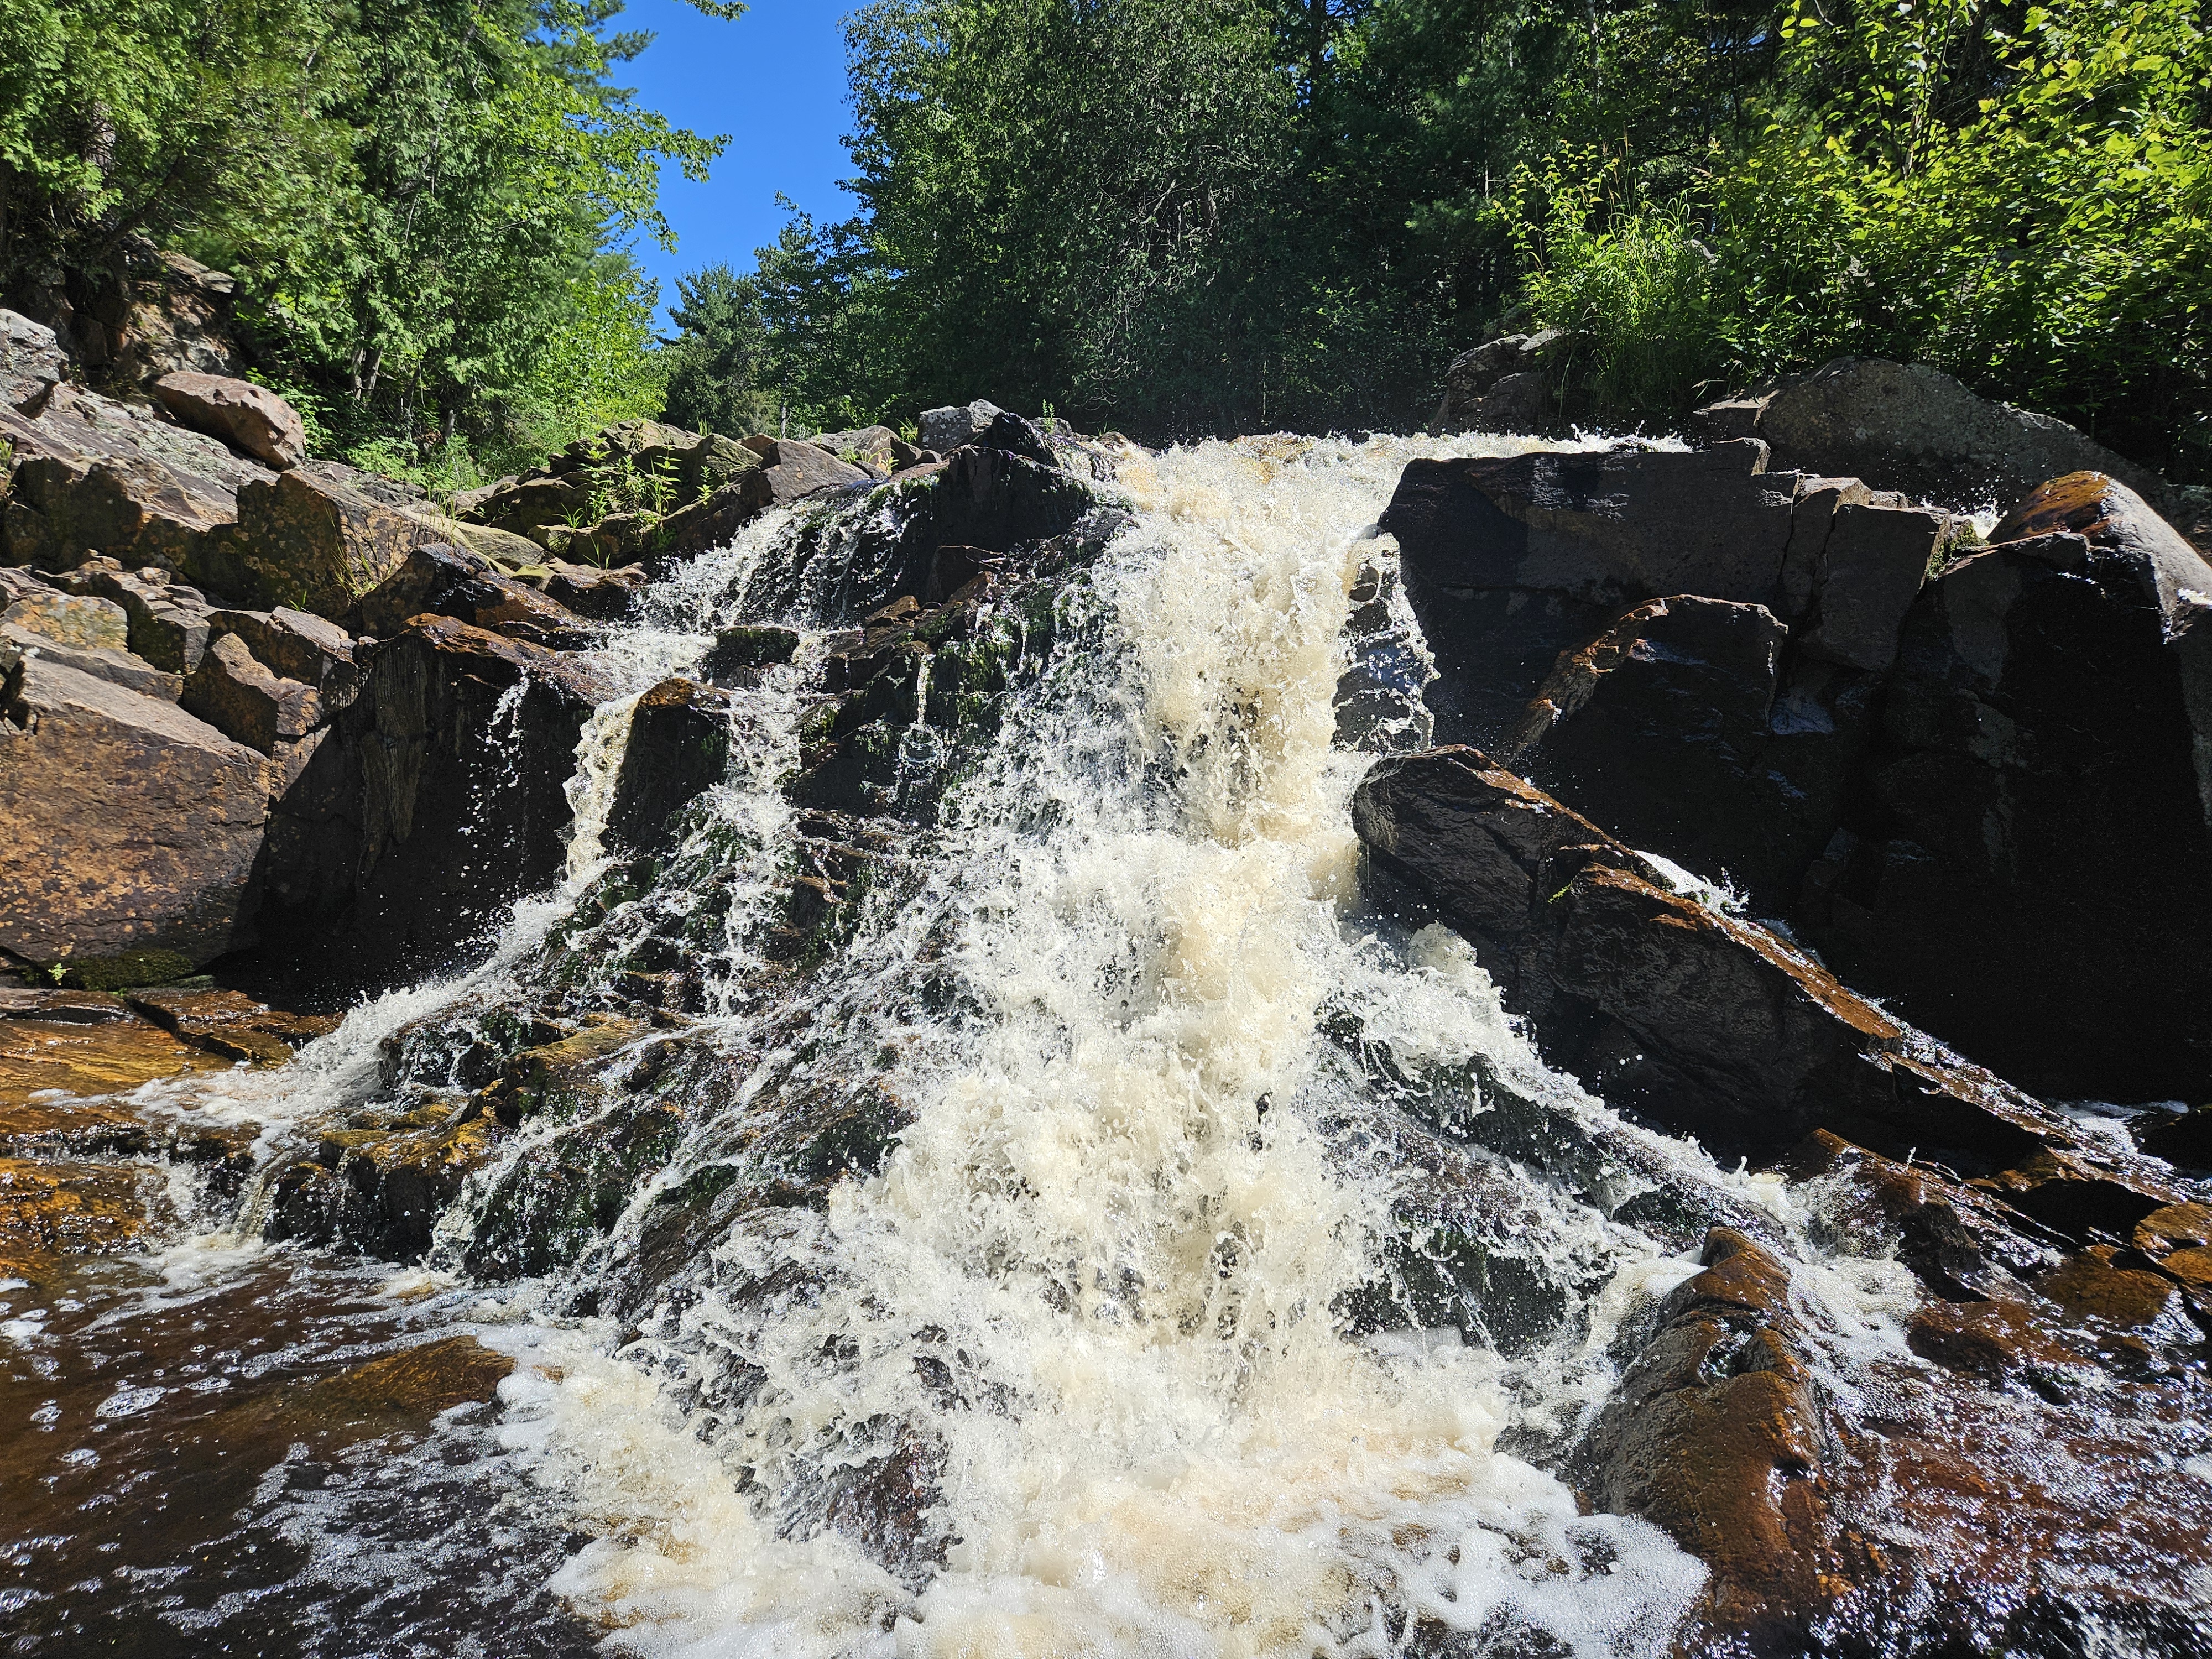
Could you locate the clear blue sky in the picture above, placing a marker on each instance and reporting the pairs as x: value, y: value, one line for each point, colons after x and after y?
x: 774, y: 81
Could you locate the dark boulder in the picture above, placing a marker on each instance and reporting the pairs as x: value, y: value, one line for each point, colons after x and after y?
x: 678, y: 749
x: 1504, y: 385
x: 1687, y: 730
x: 430, y: 804
x: 2037, y: 821
x: 1701, y: 1023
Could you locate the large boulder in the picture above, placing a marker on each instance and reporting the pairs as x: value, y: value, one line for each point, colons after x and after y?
x: 131, y: 826
x: 243, y: 415
x: 2033, y: 867
x: 1511, y: 561
x: 950, y: 428
x: 309, y: 543
x: 1685, y: 727
x: 1911, y: 427
x: 32, y: 363
x: 447, y: 582
x: 796, y: 470
x: 430, y: 804
x: 1695, y: 1018
x: 1503, y: 386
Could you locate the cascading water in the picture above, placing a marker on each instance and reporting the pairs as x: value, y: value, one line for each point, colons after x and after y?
x: 1114, y: 1326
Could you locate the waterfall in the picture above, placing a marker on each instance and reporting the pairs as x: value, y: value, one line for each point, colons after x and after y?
x: 1071, y: 1371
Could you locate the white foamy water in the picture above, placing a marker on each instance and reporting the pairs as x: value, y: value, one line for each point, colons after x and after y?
x: 1091, y: 1302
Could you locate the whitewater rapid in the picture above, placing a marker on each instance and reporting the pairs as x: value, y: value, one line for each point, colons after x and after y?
x: 1094, y: 1296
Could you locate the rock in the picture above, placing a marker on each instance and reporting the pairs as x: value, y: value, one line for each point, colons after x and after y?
x: 446, y: 582
x: 131, y: 825
x: 2184, y: 1140
x: 298, y: 645
x: 309, y: 544
x: 233, y: 1025
x: 590, y: 590
x: 76, y: 492
x: 51, y: 1209
x: 800, y: 469
x: 88, y: 624
x: 679, y: 748
x: 1509, y: 561
x: 2036, y: 811
x: 431, y: 804
x: 875, y: 448
x: 1503, y: 385
x: 32, y: 361
x: 1679, y: 727
x: 952, y: 427
x: 1911, y: 427
x: 234, y: 693
x: 1718, y: 1435
x: 1700, y: 1023
x: 118, y: 668
x: 620, y: 493
x: 747, y: 646
x: 244, y: 415
x: 1017, y: 436
x: 392, y: 1188
x: 169, y: 625
x: 414, y: 1385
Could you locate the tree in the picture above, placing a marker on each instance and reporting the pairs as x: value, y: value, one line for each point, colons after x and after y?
x: 716, y: 361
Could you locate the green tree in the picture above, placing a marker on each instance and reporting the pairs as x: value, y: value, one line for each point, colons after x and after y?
x: 717, y: 361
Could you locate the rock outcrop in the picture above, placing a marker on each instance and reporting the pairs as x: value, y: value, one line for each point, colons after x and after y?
x: 131, y: 826
x: 32, y: 363
x: 1505, y: 384
x: 1910, y: 426
x: 2038, y: 818
x: 430, y: 804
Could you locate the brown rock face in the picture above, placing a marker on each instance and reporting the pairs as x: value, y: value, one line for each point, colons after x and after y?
x: 2039, y: 806
x: 435, y: 801
x: 310, y: 543
x: 241, y: 699
x: 88, y: 624
x: 131, y: 825
x: 243, y: 415
x: 447, y: 582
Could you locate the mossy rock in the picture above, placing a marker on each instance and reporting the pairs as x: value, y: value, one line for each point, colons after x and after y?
x: 127, y: 970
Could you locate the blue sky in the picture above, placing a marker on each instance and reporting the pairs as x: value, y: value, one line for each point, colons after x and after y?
x: 774, y: 81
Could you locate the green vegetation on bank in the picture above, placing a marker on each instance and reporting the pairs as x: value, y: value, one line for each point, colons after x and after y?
x: 425, y: 201
x: 1188, y: 216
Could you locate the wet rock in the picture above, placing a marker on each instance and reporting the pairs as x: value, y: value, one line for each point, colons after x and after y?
x: 564, y: 1194
x: 747, y: 646
x: 2184, y: 1140
x: 414, y: 1384
x: 563, y: 1077
x: 131, y: 825
x: 309, y: 543
x: 1017, y: 436
x: 1910, y: 426
x: 436, y: 799
x: 233, y: 1025
x: 1701, y: 1023
x: 31, y: 361
x: 63, y: 1208
x: 243, y: 415
x: 234, y: 693
x: 1855, y: 560
x: 679, y: 748
x: 2037, y: 819
x: 70, y: 1008
x: 1681, y: 726
x: 445, y: 581
x: 393, y: 1187
x: 1717, y: 1435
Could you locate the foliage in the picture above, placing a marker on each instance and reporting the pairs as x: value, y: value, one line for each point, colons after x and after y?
x: 426, y: 202
x: 716, y: 363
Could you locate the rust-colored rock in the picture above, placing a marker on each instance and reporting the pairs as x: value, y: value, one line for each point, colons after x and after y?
x: 308, y: 542
x: 131, y: 824
x: 415, y: 1383
x: 49, y: 1209
x: 438, y: 581
x: 234, y: 693
x: 243, y: 415
x: 231, y: 1024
